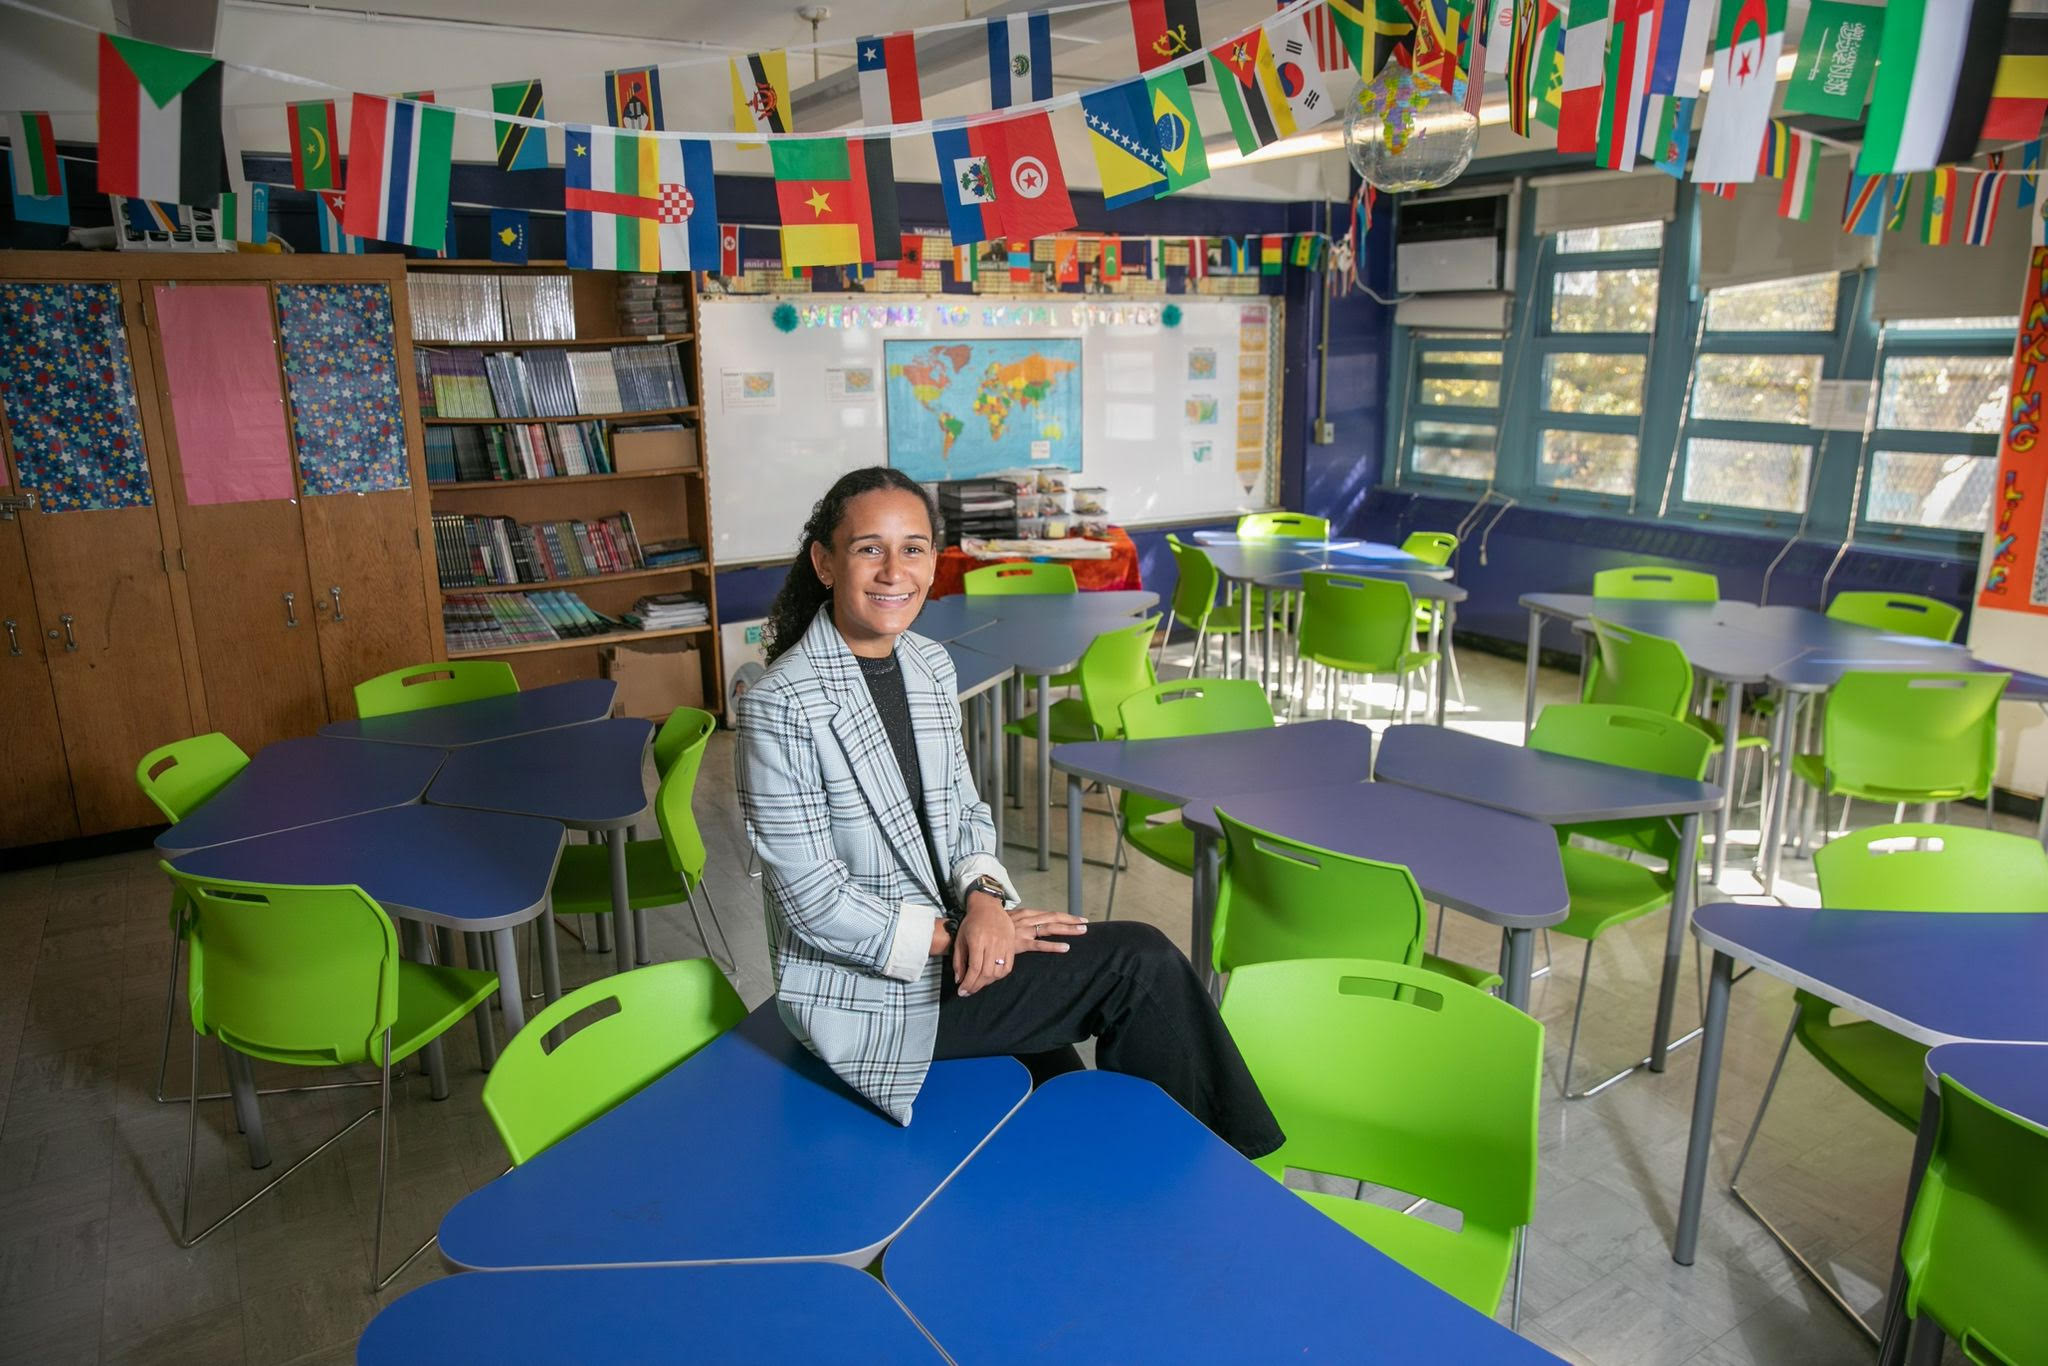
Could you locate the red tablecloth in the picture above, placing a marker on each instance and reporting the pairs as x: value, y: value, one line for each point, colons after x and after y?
x: 1120, y: 570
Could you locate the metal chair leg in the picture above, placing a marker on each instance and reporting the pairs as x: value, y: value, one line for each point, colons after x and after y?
x: 1572, y: 1048
x: 711, y: 909
x: 1116, y: 863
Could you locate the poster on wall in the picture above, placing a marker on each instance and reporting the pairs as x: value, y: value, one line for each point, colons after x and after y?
x: 967, y: 408
x: 2016, y: 579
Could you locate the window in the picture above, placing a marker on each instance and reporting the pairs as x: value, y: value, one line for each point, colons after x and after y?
x: 1604, y: 301
x: 1940, y: 404
x: 1589, y: 382
x: 1454, y: 417
x: 1591, y: 462
x: 1644, y: 236
x: 1805, y: 304
x: 1597, y: 297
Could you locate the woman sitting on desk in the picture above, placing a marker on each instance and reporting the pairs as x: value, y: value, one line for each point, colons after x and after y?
x: 894, y: 928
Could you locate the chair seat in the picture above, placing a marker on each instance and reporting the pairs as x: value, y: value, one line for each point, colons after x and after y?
x: 583, y: 881
x: 1405, y: 663
x: 1070, y: 679
x: 1483, y: 978
x: 1811, y: 768
x: 1067, y: 722
x: 1169, y: 842
x: 1884, y: 1068
x: 1471, y: 1264
x: 431, y: 999
x: 1713, y: 728
x: 1607, y: 891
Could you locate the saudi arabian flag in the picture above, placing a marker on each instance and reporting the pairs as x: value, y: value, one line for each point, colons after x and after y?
x: 1935, y: 66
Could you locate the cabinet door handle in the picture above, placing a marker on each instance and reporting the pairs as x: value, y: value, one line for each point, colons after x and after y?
x: 335, y: 593
x: 70, y: 638
x: 291, y: 610
x: 13, y: 638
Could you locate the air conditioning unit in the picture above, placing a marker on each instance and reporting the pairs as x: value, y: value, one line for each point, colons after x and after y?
x: 1460, y: 241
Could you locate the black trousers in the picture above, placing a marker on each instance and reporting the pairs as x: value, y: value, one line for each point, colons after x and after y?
x: 1124, y: 984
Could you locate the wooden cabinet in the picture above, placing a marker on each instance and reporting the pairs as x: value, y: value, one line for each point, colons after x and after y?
x: 35, y: 780
x: 372, y: 599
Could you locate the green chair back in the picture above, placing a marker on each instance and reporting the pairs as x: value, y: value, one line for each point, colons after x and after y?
x: 1435, y: 547
x: 1283, y: 526
x: 300, y: 975
x: 1901, y: 614
x: 1656, y: 583
x: 672, y: 809
x: 1194, y: 706
x: 1280, y: 898
x: 1360, y: 624
x: 184, y: 773
x: 1116, y: 664
x: 1194, y: 588
x: 1633, y: 668
x: 1923, y: 867
x: 1019, y: 580
x: 640, y: 1024
x: 1392, y: 1074
x: 1628, y: 737
x: 1913, y: 736
x: 434, y: 685
x: 686, y: 726
x: 1976, y: 1244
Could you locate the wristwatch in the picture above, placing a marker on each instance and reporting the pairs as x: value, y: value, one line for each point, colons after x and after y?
x: 984, y: 883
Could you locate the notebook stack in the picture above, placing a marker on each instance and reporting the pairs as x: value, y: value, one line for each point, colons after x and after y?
x: 471, y: 551
x: 486, y: 621
x: 668, y: 612
x: 537, y: 450
x: 977, y: 507
x: 550, y: 382
x: 651, y: 306
x: 458, y: 306
x: 538, y: 307
x: 669, y: 554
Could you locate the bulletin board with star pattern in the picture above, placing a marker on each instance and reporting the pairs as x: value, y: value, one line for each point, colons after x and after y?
x: 69, y: 391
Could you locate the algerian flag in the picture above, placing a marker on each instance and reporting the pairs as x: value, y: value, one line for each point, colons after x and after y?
x: 1746, y: 49
x: 1935, y: 67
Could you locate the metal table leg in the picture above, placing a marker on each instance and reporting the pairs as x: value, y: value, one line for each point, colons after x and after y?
x: 997, y: 803
x: 1044, y: 772
x: 1731, y: 719
x: 1518, y: 957
x: 1201, y: 933
x: 1704, y: 1092
x: 1244, y: 630
x: 1674, y: 937
x: 511, y: 997
x: 1074, y: 859
x: 1440, y: 623
x: 248, y: 1112
x: 622, y: 930
x: 1898, y: 1329
x: 1778, y: 827
x: 1529, y: 674
x: 1266, y: 647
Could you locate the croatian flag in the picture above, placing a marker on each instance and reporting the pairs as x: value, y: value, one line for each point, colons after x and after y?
x: 888, y: 80
x: 399, y: 157
x: 1019, y: 59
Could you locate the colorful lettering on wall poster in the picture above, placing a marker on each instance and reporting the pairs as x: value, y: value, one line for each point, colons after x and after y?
x: 2018, y: 577
x: 70, y: 397
x: 341, y: 370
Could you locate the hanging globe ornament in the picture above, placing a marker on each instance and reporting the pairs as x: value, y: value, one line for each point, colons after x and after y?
x: 1403, y: 131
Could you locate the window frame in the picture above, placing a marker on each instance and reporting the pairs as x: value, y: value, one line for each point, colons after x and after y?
x: 1898, y: 345
x: 1418, y: 368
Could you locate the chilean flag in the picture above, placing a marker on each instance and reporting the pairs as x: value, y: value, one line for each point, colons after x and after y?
x: 967, y: 175
x: 888, y: 80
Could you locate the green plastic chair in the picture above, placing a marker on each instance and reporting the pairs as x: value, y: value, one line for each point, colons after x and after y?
x: 659, y: 872
x: 1899, y: 614
x: 1354, y: 624
x: 1283, y: 525
x: 1631, y: 668
x: 1030, y: 579
x: 1435, y: 547
x: 1976, y: 1244
x: 1607, y: 890
x: 546, y: 1087
x: 420, y: 686
x: 177, y: 777
x: 1194, y: 603
x: 1182, y: 706
x: 312, y: 977
x: 1390, y: 1074
x: 1905, y: 738
x: 1655, y: 583
x: 1116, y: 664
x: 1904, y: 867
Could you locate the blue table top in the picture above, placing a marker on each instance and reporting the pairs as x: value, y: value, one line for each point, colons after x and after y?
x: 1425, y: 587
x: 1044, y: 646
x: 1492, y: 865
x: 952, y: 618
x: 488, y: 718
x: 751, y: 1150
x: 1935, y: 977
x: 1158, y: 1242
x: 798, y: 1311
x: 1187, y: 767
x: 1816, y: 673
x: 1239, y: 560
x: 472, y: 870
x: 1550, y: 788
x: 587, y: 777
x: 2012, y: 1076
x: 974, y: 671
x: 302, y: 782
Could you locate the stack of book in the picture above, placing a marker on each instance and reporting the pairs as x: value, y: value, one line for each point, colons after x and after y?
x: 537, y: 450
x: 487, y: 621
x: 668, y: 612
x: 550, y: 383
x: 651, y: 306
x: 977, y: 507
x: 666, y: 554
x: 460, y: 306
x: 470, y: 551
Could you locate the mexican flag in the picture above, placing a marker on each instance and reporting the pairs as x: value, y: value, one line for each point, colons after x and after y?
x: 1936, y: 65
x: 159, y: 123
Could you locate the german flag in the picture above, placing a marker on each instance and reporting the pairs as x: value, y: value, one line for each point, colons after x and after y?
x: 2019, y: 92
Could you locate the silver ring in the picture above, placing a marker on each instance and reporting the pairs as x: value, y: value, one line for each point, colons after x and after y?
x: 999, y: 962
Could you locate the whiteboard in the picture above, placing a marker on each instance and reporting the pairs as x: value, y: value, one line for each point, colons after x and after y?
x: 786, y: 413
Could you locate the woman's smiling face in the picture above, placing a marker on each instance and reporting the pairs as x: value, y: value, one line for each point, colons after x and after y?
x: 879, y: 568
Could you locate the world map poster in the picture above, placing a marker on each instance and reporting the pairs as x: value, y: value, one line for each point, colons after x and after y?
x: 965, y: 409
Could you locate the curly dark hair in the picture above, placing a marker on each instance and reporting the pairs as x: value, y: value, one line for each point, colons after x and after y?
x: 803, y: 592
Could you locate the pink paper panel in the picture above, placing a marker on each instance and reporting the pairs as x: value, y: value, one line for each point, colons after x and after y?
x: 220, y: 357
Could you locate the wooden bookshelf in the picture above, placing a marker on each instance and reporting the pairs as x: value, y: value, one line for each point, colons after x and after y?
x: 665, y: 504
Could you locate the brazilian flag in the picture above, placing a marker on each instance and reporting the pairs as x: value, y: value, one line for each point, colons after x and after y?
x: 1180, y: 137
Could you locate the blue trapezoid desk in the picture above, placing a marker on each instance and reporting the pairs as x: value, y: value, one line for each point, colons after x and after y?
x: 302, y: 782
x: 575, y: 703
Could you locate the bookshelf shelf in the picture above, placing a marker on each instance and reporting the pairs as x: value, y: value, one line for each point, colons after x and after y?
x: 471, y: 485
x: 516, y: 344
x: 612, y: 638
x: 690, y: 411
x: 584, y: 581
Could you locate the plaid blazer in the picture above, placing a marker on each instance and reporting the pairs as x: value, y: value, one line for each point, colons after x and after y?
x: 850, y: 891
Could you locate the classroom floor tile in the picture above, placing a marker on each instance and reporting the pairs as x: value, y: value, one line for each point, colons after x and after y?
x: 90, y: 1165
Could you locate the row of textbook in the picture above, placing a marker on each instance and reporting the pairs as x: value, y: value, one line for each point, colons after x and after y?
x: 550, y: 383
x: 492, y: 621
x: 472, y: 551
x: 453, y: 306
x: 534, y: 450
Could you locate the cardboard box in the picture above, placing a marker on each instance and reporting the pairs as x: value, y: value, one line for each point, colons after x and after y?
x: 653, y: 683
x: 669, y: 446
